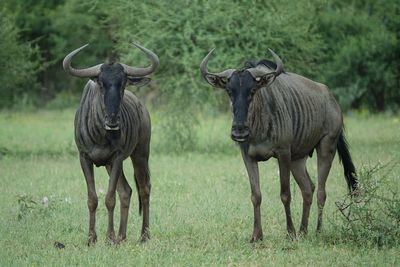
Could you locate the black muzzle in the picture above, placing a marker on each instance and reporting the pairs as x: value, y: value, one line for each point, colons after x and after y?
x: 240, y: 132
x: 112, y: 123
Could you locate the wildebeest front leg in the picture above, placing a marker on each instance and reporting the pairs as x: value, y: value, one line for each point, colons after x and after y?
x: 142, y: 179
x: 116, y: 170
x: 124, y: 192
x: 252, y: 171
x: 284, y: 172
x: 87, y: 168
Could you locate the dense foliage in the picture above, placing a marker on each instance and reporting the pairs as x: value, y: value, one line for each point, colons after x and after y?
x: 361, y: 51
x: 352, y: 46
x: 372, y: 216
x: 18, y: 66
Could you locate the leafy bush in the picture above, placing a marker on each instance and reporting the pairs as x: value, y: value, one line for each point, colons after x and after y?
x: 29, y: 205
x: 56, y: 28
x: 183, y: 32
x: 25, y: 205
x: 352, y: 46
x: 372, y: 216
x: 19, y: 64
x: 360, y: 52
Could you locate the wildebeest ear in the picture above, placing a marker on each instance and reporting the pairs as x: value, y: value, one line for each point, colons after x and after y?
x: 139, y: 81
x: 265, y: 81
x: 216, y: 81
x: 94, y: 79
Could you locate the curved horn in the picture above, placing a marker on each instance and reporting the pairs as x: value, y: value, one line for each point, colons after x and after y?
x: 139, y: 72
x: 204, y: 71
x: 278, y: 61
x: 83, y: 73
x: 262, y: 70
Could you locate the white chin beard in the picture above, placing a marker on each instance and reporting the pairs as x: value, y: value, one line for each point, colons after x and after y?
x: 108, y: 128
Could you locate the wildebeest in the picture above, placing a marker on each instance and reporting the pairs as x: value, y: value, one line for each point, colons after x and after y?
x: 286, y: 116
x: 111, y: 124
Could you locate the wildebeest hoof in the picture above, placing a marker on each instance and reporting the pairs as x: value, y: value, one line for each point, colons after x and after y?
x: 303, y: 232
x: 144, y: 237
x: 291, y: 236
x: 256, y: 237
x: 111, y: 240
x: 121, y: 239
x: 92, y: 239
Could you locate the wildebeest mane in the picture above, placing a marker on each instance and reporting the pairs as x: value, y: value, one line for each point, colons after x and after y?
x: 265, y: 62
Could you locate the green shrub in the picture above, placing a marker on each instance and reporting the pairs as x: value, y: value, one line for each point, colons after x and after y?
x: 360, y: 52
x: 372, y: 216
x: 182, y: 33
x: 19, y: 65
x: 351, y: 46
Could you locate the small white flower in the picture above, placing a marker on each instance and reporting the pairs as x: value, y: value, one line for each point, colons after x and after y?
x: 68, y: 200
x: 45, y: 201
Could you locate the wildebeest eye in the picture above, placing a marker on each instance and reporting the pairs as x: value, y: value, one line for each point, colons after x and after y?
x: 229, y: 91
x: 253, y: 91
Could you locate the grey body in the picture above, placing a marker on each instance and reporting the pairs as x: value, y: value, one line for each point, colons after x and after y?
x: 91, y: 137
x: 285, y: 116
x: 97, y: 146
x: 111, y: 124
x: 288, y: 120
x: 293, y: 113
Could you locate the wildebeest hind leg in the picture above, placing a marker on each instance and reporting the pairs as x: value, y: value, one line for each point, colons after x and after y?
x: 325, y: 153
x: 124, y: 192
x: 142, y: 179
x: 303, y: 180
x: 87, y: 168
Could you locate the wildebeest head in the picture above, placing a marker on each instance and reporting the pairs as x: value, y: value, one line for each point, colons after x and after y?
x: 111, y: 79
x: 241, y: 85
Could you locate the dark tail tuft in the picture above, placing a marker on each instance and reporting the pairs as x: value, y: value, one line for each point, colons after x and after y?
x: 140, y: 200
x: 348, y: 166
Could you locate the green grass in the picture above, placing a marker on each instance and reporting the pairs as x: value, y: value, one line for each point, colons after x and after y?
x: 201, y: 213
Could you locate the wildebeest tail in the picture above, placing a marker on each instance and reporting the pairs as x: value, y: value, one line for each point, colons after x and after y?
x: 140, y: 200
x: 348, y: 166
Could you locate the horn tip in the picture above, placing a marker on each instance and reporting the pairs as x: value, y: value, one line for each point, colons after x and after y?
x: 83, y: 46
x: 136, y: 44
x: 271, y: 51
x: 209, y: 53
x: 278, y: 61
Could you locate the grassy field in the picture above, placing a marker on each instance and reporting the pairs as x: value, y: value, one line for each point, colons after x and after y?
x: 200, y: 212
